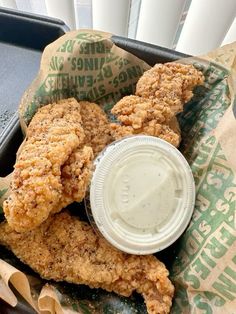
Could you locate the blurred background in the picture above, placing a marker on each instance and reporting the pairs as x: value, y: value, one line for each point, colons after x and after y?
x: 190, y: 26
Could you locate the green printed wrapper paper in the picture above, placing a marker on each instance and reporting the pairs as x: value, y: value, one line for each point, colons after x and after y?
x: 87, y: 65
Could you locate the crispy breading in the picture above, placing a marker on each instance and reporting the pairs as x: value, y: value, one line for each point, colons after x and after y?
x: 54, y: 133
x: 64, y: 113
x: 172, y: 83
x: 65, y: 249
x: 76, y: 174
x: 174, y: 125
x: 138, y: 115
x: 96, y: 126
x: 152, y: 128
x: 137, y: 111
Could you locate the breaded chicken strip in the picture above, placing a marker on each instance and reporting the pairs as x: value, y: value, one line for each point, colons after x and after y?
x: 65, y: 112
x: 54, y: 134
x: 172, y: 83
x: 138, y: 115
x: 95, y: 125
x: 66, y: 249
x: 76, y: 171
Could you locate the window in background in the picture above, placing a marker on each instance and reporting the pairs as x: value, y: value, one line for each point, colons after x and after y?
x: 189, y: 26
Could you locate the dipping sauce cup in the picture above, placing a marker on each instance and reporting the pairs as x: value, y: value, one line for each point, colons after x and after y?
x: 142, y: 194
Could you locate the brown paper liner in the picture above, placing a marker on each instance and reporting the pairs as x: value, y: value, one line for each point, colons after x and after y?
x: 199, y: 298
x: 10, y: 275
x: 48, y: 301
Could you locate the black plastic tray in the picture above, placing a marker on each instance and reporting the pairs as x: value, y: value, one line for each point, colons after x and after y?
x: 22, y: 39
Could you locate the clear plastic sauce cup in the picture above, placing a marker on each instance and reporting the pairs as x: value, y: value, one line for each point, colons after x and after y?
x: 142, y: 194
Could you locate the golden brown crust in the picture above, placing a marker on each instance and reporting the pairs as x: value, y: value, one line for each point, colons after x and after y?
x: 66, y: 249
x: 171, y: 83
x: 174, y: 125
x: 95, y: 125
x: 37, y: 191
x: 137, y: 111
x: 64, y: 113
x: 76, y: 174
x: 152, y: 129
x: 138, y: 115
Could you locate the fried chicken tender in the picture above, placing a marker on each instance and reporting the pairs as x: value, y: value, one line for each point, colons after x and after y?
x: 65, y: 113
x: 138, y: 115
x: 172, y: 83
x: 54, y: 134
x: 95, y: 125
x: 64, y: 248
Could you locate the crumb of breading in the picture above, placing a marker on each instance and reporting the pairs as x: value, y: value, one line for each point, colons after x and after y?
x: 174, y: 125
x: 138, y: 115
x: 171, y: 82
x: 66, y: 249
x: 96, y: 126
x: 76, y: 174
x: 37, y: 191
